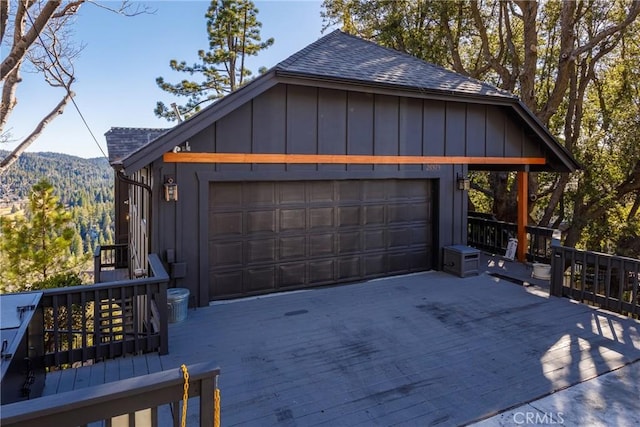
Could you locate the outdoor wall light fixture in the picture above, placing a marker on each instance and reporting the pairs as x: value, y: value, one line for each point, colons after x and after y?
x: 464, y: 183
x: 170, y: 190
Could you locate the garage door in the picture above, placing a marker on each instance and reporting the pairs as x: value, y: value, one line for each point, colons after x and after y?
x: 273, y: 236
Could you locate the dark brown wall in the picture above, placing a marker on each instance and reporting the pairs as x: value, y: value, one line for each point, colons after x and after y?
x: 310, y: 120
x: 121, y: 210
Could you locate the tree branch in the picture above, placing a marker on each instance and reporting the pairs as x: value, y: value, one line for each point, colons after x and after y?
x: 4, y: 18
x: 482, y: 190
x: 527, y: 75
x: 13, y: 156
x: 451, y: 43
x: 502, y: 71
x: 611, y: 30
x: 633, y: 213
x: 69, y: 9
x: 565, y: 65
x: 21, y: 46
x: 9, y: 100
x: 556, y: 197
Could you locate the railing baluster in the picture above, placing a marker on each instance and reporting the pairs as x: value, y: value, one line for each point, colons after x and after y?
x: 635, y: 300
x: 106, y: 334
x: 596, y: 279
x: 493, y: 236
x: 135, y: 304
x: 614, y: 291
x: 621, y: 275
x: 83, y: 326
x: 70, y: 336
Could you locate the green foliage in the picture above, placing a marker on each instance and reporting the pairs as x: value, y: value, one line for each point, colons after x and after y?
x: 575, y: 65
x: 36, y: 246
x: 58, y: 281
x: 84, y: 186
x: 234, y: 33
x: 85, y: 189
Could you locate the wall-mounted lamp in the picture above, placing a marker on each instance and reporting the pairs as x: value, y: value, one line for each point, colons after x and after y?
x: 464, y: 183
x: 170, y: 190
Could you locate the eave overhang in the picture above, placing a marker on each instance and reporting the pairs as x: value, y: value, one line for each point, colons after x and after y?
x: 558, y: 159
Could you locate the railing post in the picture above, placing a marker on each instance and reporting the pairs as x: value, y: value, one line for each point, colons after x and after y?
x: 557, y: 271
x: 164, y: 319
x: 97, y: 264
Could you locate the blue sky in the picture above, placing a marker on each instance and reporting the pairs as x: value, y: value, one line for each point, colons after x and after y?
x: 122, y: 57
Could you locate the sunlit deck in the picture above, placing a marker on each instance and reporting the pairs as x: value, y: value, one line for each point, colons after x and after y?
x: 423, y: 349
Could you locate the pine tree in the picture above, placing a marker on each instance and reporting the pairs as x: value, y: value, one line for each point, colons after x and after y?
x: 77, y: 248
x: 234, y: 33
x: 35, y: 247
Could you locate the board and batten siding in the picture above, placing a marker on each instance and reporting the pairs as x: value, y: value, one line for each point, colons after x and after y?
x: 309, y: 120
x: 139, y: 217
x: 294, y: 119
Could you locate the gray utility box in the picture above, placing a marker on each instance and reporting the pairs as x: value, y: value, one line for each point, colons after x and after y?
x: 461, y: 260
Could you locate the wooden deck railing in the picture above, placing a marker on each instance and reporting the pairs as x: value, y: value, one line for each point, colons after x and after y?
x: 493, y: 236
x: 606, y: 281
x: 135, y: 399
x: 106, y: 320
x: 109, y: 257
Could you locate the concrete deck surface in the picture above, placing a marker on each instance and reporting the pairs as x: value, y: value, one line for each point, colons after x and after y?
x: 422, y: 349
x: 425, y: 349
x: 612, y: 399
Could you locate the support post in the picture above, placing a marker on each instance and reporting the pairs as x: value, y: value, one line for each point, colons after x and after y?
x: 523, y: 209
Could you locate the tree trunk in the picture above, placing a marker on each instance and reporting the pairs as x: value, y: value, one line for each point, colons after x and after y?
x: 505, y: 207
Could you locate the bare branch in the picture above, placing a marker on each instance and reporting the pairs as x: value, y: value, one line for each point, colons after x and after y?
x: 13, y: 156
x: 9, y: 100
x: 127, y: 8
x: 21, y: 46
x: 69, y: 9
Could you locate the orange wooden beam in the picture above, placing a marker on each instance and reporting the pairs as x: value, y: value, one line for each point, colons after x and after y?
x: 523, y: 215
x: 189, y: 157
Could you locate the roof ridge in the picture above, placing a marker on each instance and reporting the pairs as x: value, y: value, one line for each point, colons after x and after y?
x: 418, y: 62
x: 135, y: 128
x: 302, y: 52
x: 431, y: 64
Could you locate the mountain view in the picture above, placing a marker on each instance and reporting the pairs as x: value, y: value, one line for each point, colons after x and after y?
x: 84, y: 186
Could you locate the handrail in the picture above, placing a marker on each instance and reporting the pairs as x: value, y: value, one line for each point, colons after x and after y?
x: 606, y: 281
x: 493, y: 236
x: 106, y: 320
x: 109, y: 257
x: 125, y: 397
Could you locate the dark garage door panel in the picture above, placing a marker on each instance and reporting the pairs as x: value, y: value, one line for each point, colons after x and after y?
x: 270, y: 236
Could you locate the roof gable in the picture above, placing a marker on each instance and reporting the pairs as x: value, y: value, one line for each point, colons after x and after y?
x: 351, y: 62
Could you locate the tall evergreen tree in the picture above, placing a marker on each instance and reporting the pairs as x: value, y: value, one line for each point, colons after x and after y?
x: 234, y: 34
x: 35, y: 247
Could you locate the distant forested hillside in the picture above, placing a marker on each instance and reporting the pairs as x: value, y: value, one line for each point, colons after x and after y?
x: 84, y: 186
